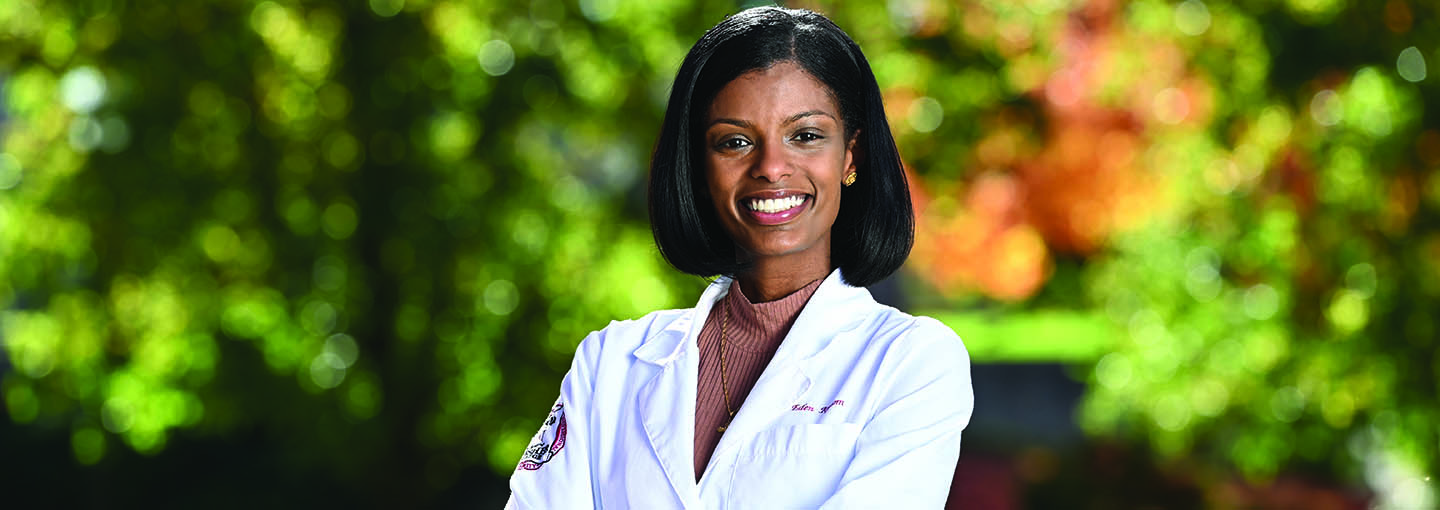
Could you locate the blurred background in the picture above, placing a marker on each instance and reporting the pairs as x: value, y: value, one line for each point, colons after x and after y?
x: 329, y: 253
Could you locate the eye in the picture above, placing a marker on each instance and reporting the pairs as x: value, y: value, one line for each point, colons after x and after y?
x: 733, y: 144
x: 807, y: 136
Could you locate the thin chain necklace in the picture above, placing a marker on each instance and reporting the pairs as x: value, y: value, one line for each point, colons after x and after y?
x: 724, y: 386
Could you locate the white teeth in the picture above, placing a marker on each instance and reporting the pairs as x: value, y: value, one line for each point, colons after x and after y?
x: 774, y: 205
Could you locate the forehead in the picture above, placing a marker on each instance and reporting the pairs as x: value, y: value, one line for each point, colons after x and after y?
x: 775, y: 92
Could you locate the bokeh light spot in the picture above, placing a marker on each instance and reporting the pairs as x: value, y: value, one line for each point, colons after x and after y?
x: 1192, y: 17
x: 1362, y: 279
x: 1171, y: 106
x: 598, y: 10
x: 118, y: 414
x: 1114, y: 371
x: 31, y: 340
x: 1209, y: 397
x: 926, y: 114
x: 88, y: 445
x: 1348, y: 311
x: 114, y: 134
x: 1286, y: 404
x: 319, y: 318
x: 82, y: 89
x: 501, y: 297
x: 343, y: 346
x: 1371, y: 103
x: 1261, y: 302
x: 1325, y: 108
x: 363, y: 397
x: 342, y: 150
x: 1263, y: 347
x: 21, y: 403
x: 1339, y: 408
x: 1171, y: 413
x: 386, y: 8
x: 452, y: 135
x: 327, y: 370
x: 496, y: 57
x: 339, y: 221
x: 85, y: 134
x: 10, y: 171
x: 220, y: 243
x: 1411, y: 64
x: 1315, y: 11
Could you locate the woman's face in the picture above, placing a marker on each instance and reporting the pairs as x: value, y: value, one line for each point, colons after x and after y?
x: 775, y: 152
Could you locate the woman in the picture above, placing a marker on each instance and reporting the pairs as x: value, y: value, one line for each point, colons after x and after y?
x: 787, y: 385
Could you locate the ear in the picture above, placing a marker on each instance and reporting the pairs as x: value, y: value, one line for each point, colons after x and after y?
x: 852, y: 153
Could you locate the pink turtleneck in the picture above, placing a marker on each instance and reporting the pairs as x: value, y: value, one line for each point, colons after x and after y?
x: 753, y: 333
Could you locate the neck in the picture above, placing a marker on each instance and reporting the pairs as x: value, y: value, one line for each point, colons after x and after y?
x: 770, y: 280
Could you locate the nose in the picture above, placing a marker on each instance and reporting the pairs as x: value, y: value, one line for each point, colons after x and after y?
x: 770, y: 163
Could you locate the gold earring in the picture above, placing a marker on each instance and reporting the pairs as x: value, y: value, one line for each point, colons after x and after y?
x: 849, y: 179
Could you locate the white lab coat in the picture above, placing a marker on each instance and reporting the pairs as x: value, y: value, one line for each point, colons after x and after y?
x: 861, y: 407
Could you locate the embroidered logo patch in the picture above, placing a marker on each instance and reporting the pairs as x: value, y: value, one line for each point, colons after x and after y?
x: 547, y: 442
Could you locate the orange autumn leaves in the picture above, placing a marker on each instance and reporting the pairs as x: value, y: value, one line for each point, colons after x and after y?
x: 1062, y: 184
x: 998, y: 234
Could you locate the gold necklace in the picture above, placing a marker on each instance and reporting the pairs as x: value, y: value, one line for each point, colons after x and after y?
x: 724, y: 387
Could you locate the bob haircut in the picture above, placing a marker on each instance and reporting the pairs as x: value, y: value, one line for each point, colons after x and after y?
x: 875, y: 227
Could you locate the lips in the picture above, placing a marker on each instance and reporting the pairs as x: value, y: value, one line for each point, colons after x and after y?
x: 774, y: 207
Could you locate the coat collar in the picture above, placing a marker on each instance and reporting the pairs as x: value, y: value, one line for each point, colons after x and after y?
x: 835, y: 307
x: 666, y: 401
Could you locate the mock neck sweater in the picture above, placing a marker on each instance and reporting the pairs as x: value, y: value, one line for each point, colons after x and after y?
x: 753, y: 332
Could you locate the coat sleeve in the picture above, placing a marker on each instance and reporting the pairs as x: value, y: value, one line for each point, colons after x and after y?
x: 555, y: 470
x: 905, y: 456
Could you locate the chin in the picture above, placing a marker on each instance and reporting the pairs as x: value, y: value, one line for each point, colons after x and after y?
x: 777, y: 248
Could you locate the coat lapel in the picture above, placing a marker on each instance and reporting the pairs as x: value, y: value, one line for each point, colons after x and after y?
x: 836, y: 307
x: 668, y: 418
x: 666, y: 402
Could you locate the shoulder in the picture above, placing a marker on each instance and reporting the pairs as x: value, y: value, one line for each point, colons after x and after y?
x: 923, y: 358
x: 921, y: 337
x: 622, y: 337
x: 937, y: 339
x: 918, y: 351
x: 643, y: 327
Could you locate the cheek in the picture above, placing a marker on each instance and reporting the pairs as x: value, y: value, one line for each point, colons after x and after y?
x: 717, y: 189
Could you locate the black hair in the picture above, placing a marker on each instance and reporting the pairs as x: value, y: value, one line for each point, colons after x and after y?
x: 875, y: 227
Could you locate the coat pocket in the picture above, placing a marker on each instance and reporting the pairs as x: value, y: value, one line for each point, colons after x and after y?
x: 795, y: 466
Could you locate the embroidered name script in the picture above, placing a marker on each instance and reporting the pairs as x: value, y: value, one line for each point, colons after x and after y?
x: 806, y: 407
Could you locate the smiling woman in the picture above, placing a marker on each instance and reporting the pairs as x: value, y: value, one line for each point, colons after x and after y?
x: 787, y: 385
x: 774, y: 158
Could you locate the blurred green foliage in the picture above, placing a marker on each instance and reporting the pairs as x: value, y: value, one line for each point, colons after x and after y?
x: 378, y: 229
x: 365, y: 228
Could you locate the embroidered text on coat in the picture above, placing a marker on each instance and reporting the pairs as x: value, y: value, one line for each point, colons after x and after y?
x: 806, y: 407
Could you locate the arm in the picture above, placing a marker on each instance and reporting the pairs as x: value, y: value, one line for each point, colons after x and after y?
x: 554, y: 471
x: 905, y: 456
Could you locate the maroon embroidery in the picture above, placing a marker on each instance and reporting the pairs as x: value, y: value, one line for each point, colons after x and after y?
x: 547, y: 442
x: 807, y: 408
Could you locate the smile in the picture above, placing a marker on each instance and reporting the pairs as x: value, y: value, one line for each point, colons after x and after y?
x: 774, y: 209
x: 775, y: 205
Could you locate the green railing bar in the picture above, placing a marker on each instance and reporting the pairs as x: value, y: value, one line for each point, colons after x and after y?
x: 1033, y: 336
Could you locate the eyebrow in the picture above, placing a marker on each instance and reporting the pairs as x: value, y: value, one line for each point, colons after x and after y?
x: 733, y: 122
x: 792, y: 119
x: 802, y: 115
